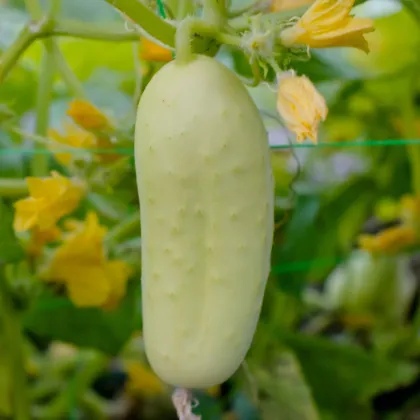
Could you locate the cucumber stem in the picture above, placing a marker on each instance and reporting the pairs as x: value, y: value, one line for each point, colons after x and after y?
x: 185, y: 34
x: 183, y: 403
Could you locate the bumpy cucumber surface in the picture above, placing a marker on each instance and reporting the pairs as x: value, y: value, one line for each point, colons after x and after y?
x: 206, y: 199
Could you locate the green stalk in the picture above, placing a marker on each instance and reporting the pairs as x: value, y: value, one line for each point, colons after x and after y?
x: 34, y: 9
x: 11, y: 328
x: 12, y: 187
x: 410, y: 132
x: 184, y: 35
x: 125, y: 228
x: 160, y: 30
x: 214, y: 12
x: 39, y: 164
x: 66, y: 73
x: 112, y: 32
x: 185, y: 8
x: 13, y: 53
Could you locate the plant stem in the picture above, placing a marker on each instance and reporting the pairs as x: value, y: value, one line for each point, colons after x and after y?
x: 34, y: 9
x: 14, y: 343
x: 66, y: 73
x: 39, y: 164
x: 185, y: 8
x: 69, y: 28
x: 408, y: 114
x: 214, y: 12
x: 12, y: 187
x: 184, y: 35
x: 160, y: 30
x: 112, y: 32
x: 125, y: 228
x: 13, y: 53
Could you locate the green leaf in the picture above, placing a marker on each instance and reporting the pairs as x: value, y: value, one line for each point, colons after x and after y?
x: 296, y: 246
x: 208, y: 407
x: 57, y: 318
x: 342, y: 376
x: 286, y: 394
x: 243, y: 408
x: 5, y: 385
x: 10, y: 248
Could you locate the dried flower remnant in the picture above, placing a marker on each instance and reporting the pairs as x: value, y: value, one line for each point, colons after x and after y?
x: 328, y: 23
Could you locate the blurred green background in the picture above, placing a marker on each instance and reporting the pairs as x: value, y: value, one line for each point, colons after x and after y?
x: 338, y: 337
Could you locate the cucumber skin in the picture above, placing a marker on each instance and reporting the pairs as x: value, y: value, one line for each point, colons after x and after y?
x: 206, y: 194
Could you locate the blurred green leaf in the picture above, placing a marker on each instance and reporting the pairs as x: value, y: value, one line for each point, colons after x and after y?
x: 85, y: 57
x: 243, y: 408
x: 325, y: 66
x: 286, y: 395
x: 5, y: 385
x: 208, y: 407
x: 343, y: 376
x: 296, y: 246
x: 57, y: 318
x: 10, y: 248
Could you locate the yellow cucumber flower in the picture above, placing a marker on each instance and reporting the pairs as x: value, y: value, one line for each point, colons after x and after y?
x: 328, y: 23
x: 39, y: 238
x: 73, y: 136
x: 79, y: 138
x: 389, y: 241
x: 301, y: 106
x: 150, y: 51
x: 81, y: 264
x: 49, y: 200
x: 87, y: 116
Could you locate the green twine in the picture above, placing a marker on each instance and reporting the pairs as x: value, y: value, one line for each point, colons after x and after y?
x: 161, y: 9
x: 130, y: 151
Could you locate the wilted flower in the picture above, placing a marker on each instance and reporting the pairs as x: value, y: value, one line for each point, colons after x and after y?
x: 328, y: 23
x: 49, y: 200
x: 81, y: 264
x: 87, y: 116
x: 301, y: 106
